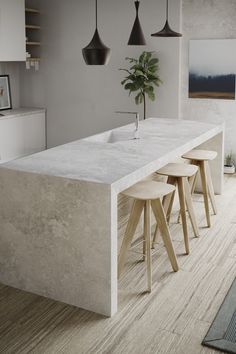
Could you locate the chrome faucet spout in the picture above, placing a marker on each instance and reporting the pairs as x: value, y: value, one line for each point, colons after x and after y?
x: 137, y: 121
x: 136, y: 132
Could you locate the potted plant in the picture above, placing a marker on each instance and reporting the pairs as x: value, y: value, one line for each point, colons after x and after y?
x: 142, y: 78
x: 229, y: 166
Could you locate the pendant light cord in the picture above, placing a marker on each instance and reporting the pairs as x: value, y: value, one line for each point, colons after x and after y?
x: 96, y: 14
x: 167, y: 10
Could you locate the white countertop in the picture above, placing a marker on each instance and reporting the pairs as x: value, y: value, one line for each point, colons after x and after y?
x: 23, y: 111
x: 123, y: 162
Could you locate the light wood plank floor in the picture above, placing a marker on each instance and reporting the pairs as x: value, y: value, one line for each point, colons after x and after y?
x: 174, y: 318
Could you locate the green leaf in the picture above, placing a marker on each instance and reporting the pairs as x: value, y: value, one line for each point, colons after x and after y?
x: 130, y: 86
x: 136, y: 67
x: 149, y: 89
x: 151, y: 96
x: 137, y: 98
x: 140, y: 98
x: 153, y: 69
x: 131, y: 60
x: 142, y: 57
x: 157, y: 82
x: 139, y: 73
x: 127, y: 71
x: 148, y: 56
x: 124, y: 81
x: 153, y: 61
x: 152, y: 77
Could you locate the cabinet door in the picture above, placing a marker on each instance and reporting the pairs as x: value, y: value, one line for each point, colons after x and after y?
x: 11, y: 139
x: 34, y: 133
x: 12, y: 30
x: 22, y: 136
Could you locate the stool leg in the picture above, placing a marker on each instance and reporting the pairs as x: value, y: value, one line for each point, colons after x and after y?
x: 167, y: 206
x: 183, y: 212
x: 202, y: 166
x: 165, y: 233
x: 179, y: 218
x: 211, y: 188
x: 168, y: 201
x: 192, y: 182
x: 129, y: 233
x: 147, y: 233
x: 144, y: 242
x: 189, y: 203
x: 155, y: 237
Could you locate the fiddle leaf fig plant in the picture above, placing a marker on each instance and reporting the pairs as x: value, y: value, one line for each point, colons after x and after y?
x: 142, y: 78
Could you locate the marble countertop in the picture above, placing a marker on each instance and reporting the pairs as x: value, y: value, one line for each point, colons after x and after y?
x: 23, y: 111
x: 115, y: 158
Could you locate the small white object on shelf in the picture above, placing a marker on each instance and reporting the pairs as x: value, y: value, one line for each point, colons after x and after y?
x: 32, y: 63
x: 36, y: 65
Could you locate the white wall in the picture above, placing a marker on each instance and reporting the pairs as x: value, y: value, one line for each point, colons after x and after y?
x: 81, y: 100
x: 208, y: 19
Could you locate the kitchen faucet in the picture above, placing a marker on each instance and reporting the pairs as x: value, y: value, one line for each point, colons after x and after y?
x: 136, y: 132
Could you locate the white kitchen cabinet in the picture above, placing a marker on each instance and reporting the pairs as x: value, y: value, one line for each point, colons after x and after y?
x: 12, y: 30
x: 22, y: 133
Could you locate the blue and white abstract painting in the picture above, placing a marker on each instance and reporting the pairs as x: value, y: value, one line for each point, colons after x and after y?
x: 212, y: 69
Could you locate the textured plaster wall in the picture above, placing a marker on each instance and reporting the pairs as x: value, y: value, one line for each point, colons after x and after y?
x: 208, y: 19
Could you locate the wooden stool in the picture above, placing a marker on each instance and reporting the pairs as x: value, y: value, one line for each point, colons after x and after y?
x: 201, y: 159
x: 179, y: 173
x: 147, y: 195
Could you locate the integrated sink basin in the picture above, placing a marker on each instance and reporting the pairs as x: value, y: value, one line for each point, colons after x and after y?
x: 111, y: 137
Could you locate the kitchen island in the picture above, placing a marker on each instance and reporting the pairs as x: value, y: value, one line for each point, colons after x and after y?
x: 58, y: 211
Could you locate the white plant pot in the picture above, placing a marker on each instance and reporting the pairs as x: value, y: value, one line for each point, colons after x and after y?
x: 229, y: 169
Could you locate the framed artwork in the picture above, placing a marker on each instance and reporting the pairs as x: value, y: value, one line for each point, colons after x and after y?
x: 5, y: 93
x: 212, y: 69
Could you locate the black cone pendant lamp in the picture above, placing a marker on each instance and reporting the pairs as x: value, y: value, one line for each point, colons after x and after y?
x: 137, y: 36
x: 96, y: 53
x: 166, y: 31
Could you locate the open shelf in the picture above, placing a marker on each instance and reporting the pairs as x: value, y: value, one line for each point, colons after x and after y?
x: 33, y: 59
x: 33, y: 43
x: 32, y: 11
x: 33, y: 35
x: 33, y: 27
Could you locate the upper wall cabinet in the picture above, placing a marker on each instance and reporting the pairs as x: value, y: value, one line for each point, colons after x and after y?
x: 12, y: 30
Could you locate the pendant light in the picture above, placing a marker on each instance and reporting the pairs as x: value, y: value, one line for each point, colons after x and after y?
x: 137, y: 36
x: 96, y: 53
x: 166, y: 31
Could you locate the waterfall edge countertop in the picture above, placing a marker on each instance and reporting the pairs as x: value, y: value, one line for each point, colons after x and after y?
x: 113, y: 156
x: 59, y: 208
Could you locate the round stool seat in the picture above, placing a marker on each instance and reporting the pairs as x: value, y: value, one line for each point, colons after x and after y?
x: 200, y: 155
x: 149, y: 190
x: 178, y: 170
